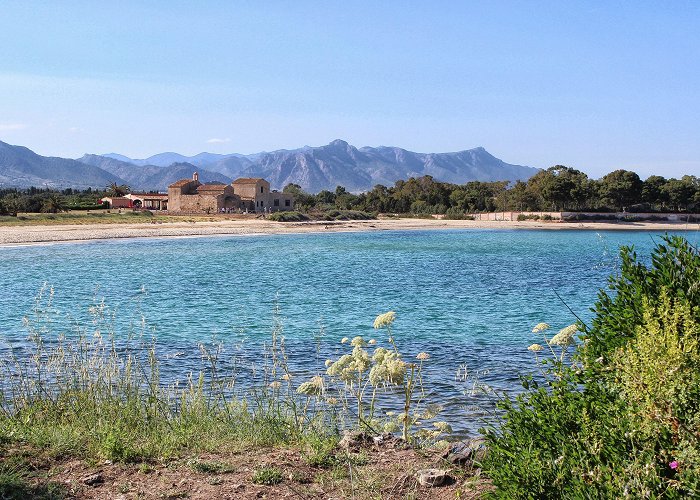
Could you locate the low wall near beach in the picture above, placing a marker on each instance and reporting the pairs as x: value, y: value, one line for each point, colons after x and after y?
x: 513, y: 216
x: 574, y: 216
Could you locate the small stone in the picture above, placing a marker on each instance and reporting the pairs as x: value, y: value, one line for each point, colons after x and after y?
x: 93, y: 479
x: 386, y: 437
x: 466, y: 452
x: 353, y: 440
x: 432, y: 477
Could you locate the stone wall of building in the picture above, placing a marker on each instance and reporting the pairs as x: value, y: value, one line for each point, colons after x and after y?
x: 197, y: 203
x: 248, y: 195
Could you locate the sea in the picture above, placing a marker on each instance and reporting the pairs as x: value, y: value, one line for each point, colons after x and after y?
x: 468, y: 298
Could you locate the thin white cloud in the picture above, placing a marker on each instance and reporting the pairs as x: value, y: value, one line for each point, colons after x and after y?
x: 75, y: 129
x: 215, y: 140
x: 6, y: 127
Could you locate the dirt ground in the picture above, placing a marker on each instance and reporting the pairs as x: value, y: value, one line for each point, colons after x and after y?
x: 367, y: 473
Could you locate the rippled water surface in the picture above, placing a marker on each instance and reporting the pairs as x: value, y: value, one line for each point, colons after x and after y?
x: 467, y: 297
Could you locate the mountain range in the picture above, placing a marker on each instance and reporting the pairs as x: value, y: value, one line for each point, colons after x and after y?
x: 312, y: 168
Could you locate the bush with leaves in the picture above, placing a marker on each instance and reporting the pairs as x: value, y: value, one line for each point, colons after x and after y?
x: 287, y: 217
x: 620, y: 418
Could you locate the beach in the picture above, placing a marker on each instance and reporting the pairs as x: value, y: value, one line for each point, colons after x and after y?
x: 43, y: 234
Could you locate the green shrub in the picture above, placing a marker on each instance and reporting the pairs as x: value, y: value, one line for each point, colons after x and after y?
x: 675, y: 267
x: 268, y: 476
x: 347, y: 215
x: 620, y: 417
x: 287, y: 217
x: 453, y: 213
x: 320, y: 450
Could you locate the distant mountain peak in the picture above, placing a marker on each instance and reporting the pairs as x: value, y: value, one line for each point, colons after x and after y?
x: 340, y: 163
x: 313, y: 168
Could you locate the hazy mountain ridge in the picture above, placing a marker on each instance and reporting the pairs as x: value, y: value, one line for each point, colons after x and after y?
x: 341, y: 164
x: 23, y: 168
x: 313, y: 168
x: 151, y: 177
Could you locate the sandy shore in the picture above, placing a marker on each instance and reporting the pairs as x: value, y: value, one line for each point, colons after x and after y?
x: 22, y: 235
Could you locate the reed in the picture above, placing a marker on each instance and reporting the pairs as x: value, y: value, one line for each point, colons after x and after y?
x: 97, y: 394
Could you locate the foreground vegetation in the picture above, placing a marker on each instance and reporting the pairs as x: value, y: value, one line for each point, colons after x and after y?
x: 618, y: 413
x: 614, y: 413
x: 93, y: 395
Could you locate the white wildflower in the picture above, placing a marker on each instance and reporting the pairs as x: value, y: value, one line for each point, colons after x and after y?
x: 313, y: 387
x: 565, y: 337
x: 349, y: 366
x: 391, y: 426
x: 540, y: 327
x: 357, y: 342
x: 385, y: 319
x: 443, y: 427
x: 388, y: 368
x: 535, y: 348
x: 431, y: 411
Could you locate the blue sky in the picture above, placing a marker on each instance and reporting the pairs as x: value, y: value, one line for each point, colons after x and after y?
x: 592, y: 85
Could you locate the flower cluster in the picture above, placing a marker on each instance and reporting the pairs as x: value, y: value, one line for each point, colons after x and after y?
x: 357, y: 342
x: 388, y: 368
x: 540, y: 327
x: 384, y: 320
x: 349, y: 366
x: 313, y: 387
x: 565, y: 337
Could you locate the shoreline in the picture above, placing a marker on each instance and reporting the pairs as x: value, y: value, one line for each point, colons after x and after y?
x: 74, y: 233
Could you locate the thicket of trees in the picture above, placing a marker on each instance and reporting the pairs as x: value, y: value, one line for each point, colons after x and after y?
x: 13, y: 201
x: 557, y: 188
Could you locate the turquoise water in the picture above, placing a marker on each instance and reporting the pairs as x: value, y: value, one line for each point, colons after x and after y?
x: 469, y: 298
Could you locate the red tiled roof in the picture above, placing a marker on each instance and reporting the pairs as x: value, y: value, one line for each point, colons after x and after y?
x: 217, y: 188
x: 180, y: 183
x: 248, y: 180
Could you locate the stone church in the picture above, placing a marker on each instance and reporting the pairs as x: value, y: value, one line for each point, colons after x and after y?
x: 243, y: 195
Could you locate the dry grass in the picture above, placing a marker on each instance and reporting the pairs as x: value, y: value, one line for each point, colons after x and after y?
x: 127, y: 216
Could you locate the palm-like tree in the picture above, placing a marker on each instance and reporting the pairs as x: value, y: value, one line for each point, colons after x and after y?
x: 53, y: 204
x: 115, y: 190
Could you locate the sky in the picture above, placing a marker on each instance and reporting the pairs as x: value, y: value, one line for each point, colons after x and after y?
x: 595, y: 86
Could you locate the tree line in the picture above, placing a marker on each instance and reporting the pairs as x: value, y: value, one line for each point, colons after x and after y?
x: 558, y: 188
x: 34, y: 200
